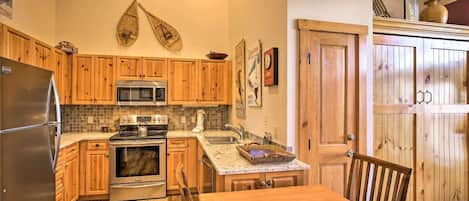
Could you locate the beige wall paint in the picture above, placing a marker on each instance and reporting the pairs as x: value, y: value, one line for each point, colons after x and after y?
x: 345, y: 11
x: 263, y: 20
x: 91, y: 24
x: 34, y: 17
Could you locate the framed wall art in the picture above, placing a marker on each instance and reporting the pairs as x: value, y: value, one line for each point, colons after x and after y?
x: 271, y: 67
x: 254, y: 75
x: 240, y: 81
x: 6, y: 8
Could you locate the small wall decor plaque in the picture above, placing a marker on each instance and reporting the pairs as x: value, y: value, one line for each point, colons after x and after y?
x: 271, y: 67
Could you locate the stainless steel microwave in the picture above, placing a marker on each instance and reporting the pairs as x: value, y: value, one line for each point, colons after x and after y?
x: 139, y: 92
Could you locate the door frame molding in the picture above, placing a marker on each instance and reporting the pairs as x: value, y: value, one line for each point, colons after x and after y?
x: 361, y: 31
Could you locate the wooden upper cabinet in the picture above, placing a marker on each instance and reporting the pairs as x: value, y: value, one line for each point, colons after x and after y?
x: 83, y: 80
x: 93, y: 79
x: 62, y: 75
x: 129, y: 68
x: 17, y: 46
x: 104, y: 79
x: 42, y: 55
x: 214, y: 82
x: 155, y: 68
x: 182, y: 86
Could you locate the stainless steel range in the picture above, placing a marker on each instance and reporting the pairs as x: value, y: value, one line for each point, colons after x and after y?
x: 138, y: 158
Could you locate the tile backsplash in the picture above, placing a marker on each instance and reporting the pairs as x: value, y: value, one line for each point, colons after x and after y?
x: 83, y: 118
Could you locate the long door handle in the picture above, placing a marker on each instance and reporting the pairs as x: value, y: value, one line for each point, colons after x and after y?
x: 421, y: 98
x: 431, y: 97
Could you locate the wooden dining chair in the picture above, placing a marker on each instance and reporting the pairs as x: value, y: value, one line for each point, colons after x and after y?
x: 372, y: 179
x: 184, y: 189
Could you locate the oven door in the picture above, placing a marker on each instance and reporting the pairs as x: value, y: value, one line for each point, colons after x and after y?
x: 137, y: 161
x: 136, y: 96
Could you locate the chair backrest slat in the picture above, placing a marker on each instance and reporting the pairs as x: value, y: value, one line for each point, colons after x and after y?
x: 393, y: 180
x: 181, y: 178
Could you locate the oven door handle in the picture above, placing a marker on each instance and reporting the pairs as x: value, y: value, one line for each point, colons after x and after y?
x: 127, y: 143
x: 133, y: 186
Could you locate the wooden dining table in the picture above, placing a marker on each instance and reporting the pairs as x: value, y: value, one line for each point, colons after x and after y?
x: 297, y: 193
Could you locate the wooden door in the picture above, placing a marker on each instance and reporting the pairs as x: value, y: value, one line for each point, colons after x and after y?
x: 211, y: 81
x: 397, y: 101
x: 129, y: 68
x: 17, y: 46
x: 42, y: 55
x: 444, y: 151
x: 328, y: 105
x: 155, y: 68
x: 175, y: 156
x: 71, y: 179
x: 97, y: 172
x: 83, y: 80
x: 182, y: 86
x: 62, y: 76
x: 104, y: 79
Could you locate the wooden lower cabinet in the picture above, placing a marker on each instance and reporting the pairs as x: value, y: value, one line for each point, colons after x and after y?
x: 181, y: 150
x: 94, y: 170
x: 254, y: 181
x: 67, y: 178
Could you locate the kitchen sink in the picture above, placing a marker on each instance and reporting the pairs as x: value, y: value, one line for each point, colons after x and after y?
x: 222, y: 140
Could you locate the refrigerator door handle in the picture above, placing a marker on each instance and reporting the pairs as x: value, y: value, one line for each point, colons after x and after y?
x: 56, y: 124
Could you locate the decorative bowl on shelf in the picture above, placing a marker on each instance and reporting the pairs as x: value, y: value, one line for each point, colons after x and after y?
x: 257, y: 154
x: 216, y: 55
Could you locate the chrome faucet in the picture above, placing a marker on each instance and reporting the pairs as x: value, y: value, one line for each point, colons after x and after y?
x: 240, y: 131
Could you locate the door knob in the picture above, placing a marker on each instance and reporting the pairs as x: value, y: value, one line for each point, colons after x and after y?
x: 351, y: 137
x: 350, y: 153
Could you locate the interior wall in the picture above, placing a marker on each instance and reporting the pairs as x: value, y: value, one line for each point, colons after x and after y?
x: 35, y: 18
x: 344, y: 11
x: 263, y: 20
x: 91, y: 26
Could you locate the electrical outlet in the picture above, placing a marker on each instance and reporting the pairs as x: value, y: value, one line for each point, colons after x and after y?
x: 290, y: 149
x: 90, y: 120
x: 183, y: 120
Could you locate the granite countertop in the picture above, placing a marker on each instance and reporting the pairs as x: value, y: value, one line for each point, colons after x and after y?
x: 225, y: 158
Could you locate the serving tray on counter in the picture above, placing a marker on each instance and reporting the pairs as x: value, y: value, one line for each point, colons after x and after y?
x: 257, y: 154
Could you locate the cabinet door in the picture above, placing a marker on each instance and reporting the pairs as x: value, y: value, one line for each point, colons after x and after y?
x: 71, y: 179
x: 182, y: 84
x: 284, y: 179
x: 17, y: 46
x: 129, y: 68
x: 62, y: 76
x: 59, y: 180
x: 244, y: 182
x: 211, y: 81
x: 42, y: 55
x: 155, y: 68
x: 82, y: 92
x: 97, y: 172
x: 175, y: 156
x: 444, y: 145
x: 104, y: 73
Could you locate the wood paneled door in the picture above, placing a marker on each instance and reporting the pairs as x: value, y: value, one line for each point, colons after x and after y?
x: 397, y: 62
x: 331, y: 100
x: 420, y: 112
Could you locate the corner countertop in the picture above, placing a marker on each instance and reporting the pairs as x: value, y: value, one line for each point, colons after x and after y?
x: 225, y: 158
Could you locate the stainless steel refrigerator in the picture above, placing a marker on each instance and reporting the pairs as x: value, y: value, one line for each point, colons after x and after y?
x: 29, y: 132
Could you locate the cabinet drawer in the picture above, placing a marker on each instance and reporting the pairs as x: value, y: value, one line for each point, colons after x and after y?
x: 97, y: 145
x: 177, y: 143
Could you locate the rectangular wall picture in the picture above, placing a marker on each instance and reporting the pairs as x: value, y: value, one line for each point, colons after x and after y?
x: 254, y: 75
x: 271, y: 67
x: 240, y: 79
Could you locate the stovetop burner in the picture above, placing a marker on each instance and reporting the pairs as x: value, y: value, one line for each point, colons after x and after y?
x: 154, y: 127
x: 132, y: 136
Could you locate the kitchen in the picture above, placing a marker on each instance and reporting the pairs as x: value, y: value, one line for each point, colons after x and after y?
x: 225, y: 99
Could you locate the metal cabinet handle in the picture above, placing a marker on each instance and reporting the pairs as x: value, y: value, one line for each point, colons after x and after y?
x: 422, y: 97
x: 431, y: 97
x: 350, y: 153
x: 351, y: 137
